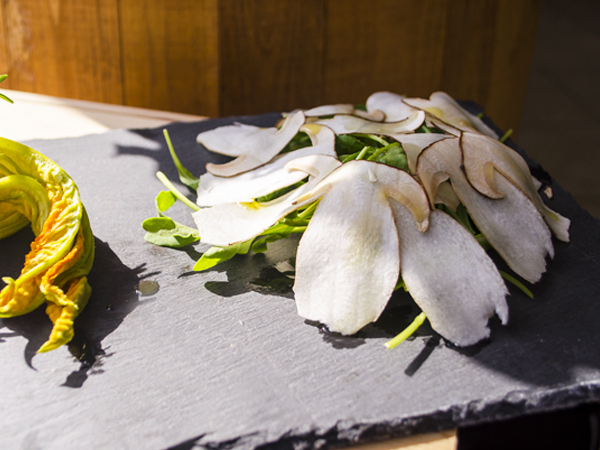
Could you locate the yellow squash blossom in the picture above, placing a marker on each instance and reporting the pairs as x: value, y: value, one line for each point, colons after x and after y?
x: 34, y: 189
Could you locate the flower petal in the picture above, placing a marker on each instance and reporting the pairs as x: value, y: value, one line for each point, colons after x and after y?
x: 450, y: 277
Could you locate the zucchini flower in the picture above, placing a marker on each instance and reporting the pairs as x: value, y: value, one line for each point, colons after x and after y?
x: 35, y: 190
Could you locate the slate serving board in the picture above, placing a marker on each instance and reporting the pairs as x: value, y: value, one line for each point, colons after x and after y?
x: 221, y: 360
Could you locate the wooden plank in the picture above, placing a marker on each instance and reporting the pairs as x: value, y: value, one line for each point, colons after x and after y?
x: 516, y: 23
x: 375, y: 45
x: 67, y: 48
x: 271, y: 55
x: 3, y: 60
x: 468, y: 49
x: 170, y: 55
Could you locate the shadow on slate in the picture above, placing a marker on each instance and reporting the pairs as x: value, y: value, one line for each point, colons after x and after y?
x: 111, y: 281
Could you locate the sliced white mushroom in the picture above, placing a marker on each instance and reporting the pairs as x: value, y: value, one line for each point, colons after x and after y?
x: 447, y: 109
x: 391, y: 104
x: 347, y: 262
x: 230, y: 223
x: 483, y: 155
x: 450, y: 277
x: 231, y: 140
x: 345, y: 124
x: 512, y: 224
x: 414, y: 143
x: 247, y: 186
x: 260, y: 147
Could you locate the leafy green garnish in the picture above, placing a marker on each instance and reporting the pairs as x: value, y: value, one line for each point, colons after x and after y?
x: 216, y: 255
x: 185, y: 176
x: 164, y: 200
x: 186, y: 201
x: 506, y: 135
x: 2, y: 96
x: 407, y: 332
x: 280, y: 192
x: 165, y: 232
x: 299, y: 141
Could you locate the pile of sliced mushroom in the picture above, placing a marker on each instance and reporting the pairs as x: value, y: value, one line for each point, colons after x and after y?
x: 375, y: 224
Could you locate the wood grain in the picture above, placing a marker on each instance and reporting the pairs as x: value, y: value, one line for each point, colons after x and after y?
x: 271, y: 55
x: 383, y: 45
x: 170, y: 55
x: 234, y: 57
x: 66, y: 48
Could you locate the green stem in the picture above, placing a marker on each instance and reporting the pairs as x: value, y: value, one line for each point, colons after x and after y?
x: 506, y: 136
x: 363, y: 152
x: 186, y: 201
x: 516, y: 283
x: 408, y: 331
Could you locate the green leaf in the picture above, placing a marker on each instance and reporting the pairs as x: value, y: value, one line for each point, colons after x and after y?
x: 216, y: 255
x: 393, y: 156
x: 346, y: 144
x: 2, y: 96
x: 184, y: 175
x: 164, y: 200
x: 280, y: 192
x: 165, y: 232
x: 299, y: 141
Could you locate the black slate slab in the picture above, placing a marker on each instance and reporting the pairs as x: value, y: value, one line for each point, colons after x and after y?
x: 219, y: 360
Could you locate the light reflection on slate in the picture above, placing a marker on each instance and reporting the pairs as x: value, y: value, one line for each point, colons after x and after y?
x: 221, y: 360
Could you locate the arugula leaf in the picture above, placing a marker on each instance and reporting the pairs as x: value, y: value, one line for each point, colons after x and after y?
x: 346, y: 144
x: 165, y: 232
x: 216, y: 255
x: 184, y: 175
x: 393, y: 155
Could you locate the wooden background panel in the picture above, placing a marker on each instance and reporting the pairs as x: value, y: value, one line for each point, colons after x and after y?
x: 271, y: 55
x: 516, y: 26
x: 394, y: 45
x: 67, y: 48
x: 3, y: 60
x: 170, y: 55
x: 468, y: 50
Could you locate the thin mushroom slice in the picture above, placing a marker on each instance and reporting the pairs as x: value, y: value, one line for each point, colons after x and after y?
x: 247, y: 186
x: 391, y: 105
x: 512, y: 224
x: 413, y: 144
x: 347, y: 262
x: 231, y: 140
x: 230, y: 223
x: 447, y: 109
x: 483, y: 155
x: 260, y: 147
x: 345, y: 124
x: 450, y: 277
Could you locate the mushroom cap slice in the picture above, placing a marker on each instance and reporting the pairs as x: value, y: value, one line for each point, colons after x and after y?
x: 345, y: 124
x: 229, y: 223
x: 450, y: 277
x: 247, y: 186
x: 231, y: 140
x: 512, y: 224
x: 447, y: 109
x: 483, y: 155
x: 260, y: 147
x: 347, y: 263
x: 391, y: 104
x: 413, y: 144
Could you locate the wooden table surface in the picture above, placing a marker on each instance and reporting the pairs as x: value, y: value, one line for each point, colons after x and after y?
x: 34, y: 116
